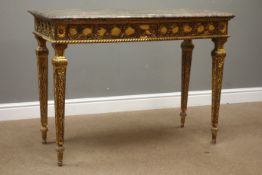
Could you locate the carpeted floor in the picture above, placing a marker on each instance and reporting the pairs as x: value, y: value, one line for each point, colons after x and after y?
x: 144, y: 142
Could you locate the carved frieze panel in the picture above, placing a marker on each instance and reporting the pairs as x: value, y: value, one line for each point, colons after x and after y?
x: 132, y: 30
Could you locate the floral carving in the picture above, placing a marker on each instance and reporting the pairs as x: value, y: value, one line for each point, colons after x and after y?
x: 129, y: 31
x: 87, y: 31
x: 61, y: 31
x: 187, y: 28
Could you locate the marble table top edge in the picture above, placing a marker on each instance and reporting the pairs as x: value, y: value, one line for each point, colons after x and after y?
x: 122, y: 13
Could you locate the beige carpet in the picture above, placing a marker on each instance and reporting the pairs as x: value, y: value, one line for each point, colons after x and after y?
x: 144, y: 142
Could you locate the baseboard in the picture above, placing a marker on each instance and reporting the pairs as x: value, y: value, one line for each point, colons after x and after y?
x: 26, y: 110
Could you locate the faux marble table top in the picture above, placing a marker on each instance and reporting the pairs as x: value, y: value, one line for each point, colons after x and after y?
x: 116, y: 13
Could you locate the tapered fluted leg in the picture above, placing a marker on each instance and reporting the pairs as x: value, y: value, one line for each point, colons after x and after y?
x: 218, y: 57
x: 42, y: 65
x: 187, y: 49
x: 59, y: 67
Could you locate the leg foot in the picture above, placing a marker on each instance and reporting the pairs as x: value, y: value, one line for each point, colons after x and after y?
x: 183, y: 118
x: 44, y: 134
x: 60, y: 152
x: 214, y: 135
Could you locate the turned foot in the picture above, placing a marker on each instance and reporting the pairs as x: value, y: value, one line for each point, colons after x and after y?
x: 60, y: 152
x: 44, y: 134
x: 183, y: 118
x: 214, y: 135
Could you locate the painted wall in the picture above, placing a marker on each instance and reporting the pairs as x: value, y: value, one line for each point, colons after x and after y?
x: 127, y: 68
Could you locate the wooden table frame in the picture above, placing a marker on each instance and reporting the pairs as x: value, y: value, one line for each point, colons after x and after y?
x: 63, y: 31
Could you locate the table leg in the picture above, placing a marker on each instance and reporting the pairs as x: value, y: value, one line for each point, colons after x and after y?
x: 187, y: 49
x: 42, y: 65
x: 218, y: 57
x: 59, y: 69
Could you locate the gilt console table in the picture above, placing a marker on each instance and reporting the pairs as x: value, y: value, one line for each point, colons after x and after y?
x: 63, y: 27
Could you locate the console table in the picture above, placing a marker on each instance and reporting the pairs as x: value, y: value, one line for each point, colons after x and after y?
x: 63, y: 27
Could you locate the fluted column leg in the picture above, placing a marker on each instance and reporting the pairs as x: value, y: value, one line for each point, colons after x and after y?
x: 218, y: 57
x: 187, y: 49
x: 59, y: 69
x: 42, y: 67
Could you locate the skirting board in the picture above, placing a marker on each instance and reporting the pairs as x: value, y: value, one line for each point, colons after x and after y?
x: 27, y: 110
